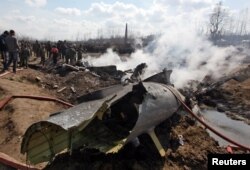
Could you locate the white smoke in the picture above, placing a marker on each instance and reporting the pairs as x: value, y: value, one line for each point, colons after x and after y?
x: 180, y: 46
x: 124, y: 63
x: 191, y: 56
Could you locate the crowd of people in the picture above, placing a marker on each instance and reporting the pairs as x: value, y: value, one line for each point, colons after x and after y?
x: 19, y: 53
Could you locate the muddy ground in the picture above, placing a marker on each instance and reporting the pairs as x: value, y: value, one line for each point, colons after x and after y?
x: 19, y: 114
x: 229, y: 94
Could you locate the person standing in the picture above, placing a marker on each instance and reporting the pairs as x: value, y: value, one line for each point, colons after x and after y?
x: 36, y: 48
x: 54, y: 53
x: 73, y: 55
x: 64, y: 49
x: 42, y: 54
x: 3, y: 47
x: 13, y: 47
x: 24, y: 56
x: 79, y: 54
x: 21, y: 55
x: 48, y: 49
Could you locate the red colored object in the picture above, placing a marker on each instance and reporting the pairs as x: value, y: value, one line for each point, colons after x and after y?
x: 54, y: 50
x: 5, y: 101
x: 11, y: 162
x: 229, y: 149
x: 209, y: 127
x: 7, y: 160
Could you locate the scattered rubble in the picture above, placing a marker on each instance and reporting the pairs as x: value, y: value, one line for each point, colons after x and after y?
x: 186, y: 144
x: 229, y: 94
x: 60, y: 90
x: 38, y: 79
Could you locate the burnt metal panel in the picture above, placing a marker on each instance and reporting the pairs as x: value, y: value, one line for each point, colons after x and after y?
x: 159, y: 104
x: 83, y: 124
x: 99, y: 94
x: 76, y: 115
x: 162, y: 77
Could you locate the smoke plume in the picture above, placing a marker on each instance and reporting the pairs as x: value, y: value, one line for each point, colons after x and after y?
x: 190, y: 55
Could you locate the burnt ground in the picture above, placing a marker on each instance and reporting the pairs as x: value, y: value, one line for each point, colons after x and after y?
x: 230, y: 94
x: 19, y: 114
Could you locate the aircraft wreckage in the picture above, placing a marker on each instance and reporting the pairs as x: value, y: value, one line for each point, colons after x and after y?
x: 105, y: 120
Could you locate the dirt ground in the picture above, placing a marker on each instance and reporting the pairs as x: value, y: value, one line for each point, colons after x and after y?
x: 19, y: 114
x: 239, y: 94
x: 231, y: 94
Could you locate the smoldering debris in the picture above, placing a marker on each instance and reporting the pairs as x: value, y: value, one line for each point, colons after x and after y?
x: 228, y: 94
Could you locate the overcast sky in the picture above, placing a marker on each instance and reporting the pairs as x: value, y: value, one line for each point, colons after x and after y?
x: 71, y: 19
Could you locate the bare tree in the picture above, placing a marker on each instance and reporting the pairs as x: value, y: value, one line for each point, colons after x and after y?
x: 77, y: 36
x: 217, y: 22
x: 243, y: 22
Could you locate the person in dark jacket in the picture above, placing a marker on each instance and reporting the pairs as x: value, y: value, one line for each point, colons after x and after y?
x: 13, y: 48
x: 42, y: 54
x: 24, y: 56
x: 3, y: 47
x: 48, y: 49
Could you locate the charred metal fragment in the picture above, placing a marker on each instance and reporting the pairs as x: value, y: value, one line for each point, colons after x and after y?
x: 99, y: 94
x: 107, y: 121
x: 107, y: 71
x: 162, y: 77
x: 138, y: 72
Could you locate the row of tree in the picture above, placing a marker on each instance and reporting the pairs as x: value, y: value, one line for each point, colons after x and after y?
x: 229, y: 27
x: 223, y: 25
